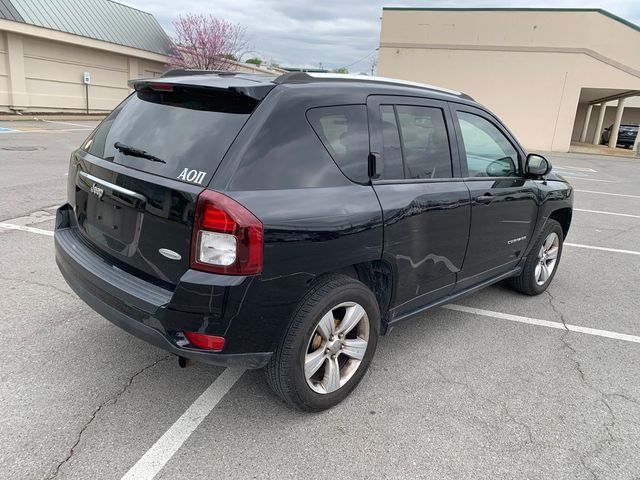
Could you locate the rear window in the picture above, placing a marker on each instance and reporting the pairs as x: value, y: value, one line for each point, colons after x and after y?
x: 345, y: 134
x: 189, y: 129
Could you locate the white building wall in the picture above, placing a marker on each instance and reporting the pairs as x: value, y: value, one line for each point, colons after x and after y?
x: 529, y: 67
x: 43, y: 75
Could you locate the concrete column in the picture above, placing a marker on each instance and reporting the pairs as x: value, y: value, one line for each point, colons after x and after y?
x: 585, y: 127
x: 636, y: 145
x: 599, y: 124
x: 613, y: 139
x: 18, y: 98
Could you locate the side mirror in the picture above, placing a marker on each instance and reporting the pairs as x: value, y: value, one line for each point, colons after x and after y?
x: 537, y: 165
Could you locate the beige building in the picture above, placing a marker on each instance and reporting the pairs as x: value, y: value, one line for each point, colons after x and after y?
x: 544, y: 72
x: 46, y: 48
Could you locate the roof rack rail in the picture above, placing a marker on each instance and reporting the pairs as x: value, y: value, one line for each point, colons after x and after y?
x: 308, y: 77
x: 181, y: 72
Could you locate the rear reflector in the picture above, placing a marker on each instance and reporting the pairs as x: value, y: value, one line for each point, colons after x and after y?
x: 210, y: 342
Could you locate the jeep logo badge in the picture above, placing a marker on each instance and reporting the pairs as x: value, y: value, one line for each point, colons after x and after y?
x: 97, y: 191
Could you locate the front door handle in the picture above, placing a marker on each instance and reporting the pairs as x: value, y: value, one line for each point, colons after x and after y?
x: 486, y: 198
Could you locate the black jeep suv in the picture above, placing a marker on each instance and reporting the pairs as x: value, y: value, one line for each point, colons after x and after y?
x: 288, y: 222
x: 626, y: 135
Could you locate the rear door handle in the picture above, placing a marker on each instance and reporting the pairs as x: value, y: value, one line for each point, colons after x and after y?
x: 486, y: 198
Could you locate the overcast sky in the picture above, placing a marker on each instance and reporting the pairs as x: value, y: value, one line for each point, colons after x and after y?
x: 335, y: 32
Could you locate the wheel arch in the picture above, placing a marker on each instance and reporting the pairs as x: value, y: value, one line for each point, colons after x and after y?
x: 563, y: 217
x: 377, y: 275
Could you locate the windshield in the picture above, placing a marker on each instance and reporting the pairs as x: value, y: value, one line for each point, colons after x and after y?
x: 189, y: 129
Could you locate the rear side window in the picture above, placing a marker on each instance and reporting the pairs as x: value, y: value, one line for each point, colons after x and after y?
x: 393, y: 167
x: 189, y: 129
x: 425, y: 142
x: 415, y: 143
x: 345, y: 134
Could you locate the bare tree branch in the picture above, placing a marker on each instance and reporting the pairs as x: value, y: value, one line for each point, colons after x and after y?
x: 204, y: 42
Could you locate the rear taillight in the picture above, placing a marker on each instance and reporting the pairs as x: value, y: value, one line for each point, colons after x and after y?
x: 226, y: 238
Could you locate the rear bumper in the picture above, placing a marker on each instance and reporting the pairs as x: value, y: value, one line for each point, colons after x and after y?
x: 138, y: 307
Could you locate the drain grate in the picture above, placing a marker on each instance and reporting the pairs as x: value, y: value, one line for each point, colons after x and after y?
x: 21, y: 149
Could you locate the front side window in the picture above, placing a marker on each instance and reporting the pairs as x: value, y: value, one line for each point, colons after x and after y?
x: 488, y: 151
x: 344, y: 131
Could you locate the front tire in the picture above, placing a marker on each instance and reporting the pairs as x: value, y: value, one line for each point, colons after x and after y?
x: 328, y: 346
x: 542, y: 262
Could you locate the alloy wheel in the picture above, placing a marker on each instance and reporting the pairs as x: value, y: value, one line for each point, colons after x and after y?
x: 336, y: 347
x: 547, y: 258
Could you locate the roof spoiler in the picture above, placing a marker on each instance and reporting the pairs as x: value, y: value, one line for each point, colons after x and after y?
x: 181, y: 72
x: 256, y: 92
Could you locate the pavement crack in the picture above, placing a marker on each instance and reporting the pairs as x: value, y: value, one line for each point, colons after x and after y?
x: 555, y: 309
x: 502, y: 406
x: 603, y: 397
x: 110, y: 401
x: 588, y: 469
x: 39, y: 284
x: 624, y: 397
x: 511, y: 417
x: 563, y: 337
x: 572, y: 357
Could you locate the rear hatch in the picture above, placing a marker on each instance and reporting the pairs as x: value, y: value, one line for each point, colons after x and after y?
x: 134, y: 183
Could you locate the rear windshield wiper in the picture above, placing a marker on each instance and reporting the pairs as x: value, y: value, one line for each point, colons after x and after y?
x: 134, y: 152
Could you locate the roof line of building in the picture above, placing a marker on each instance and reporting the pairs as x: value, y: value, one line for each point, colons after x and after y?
x: 24, y: 28
x: 627, y: 94
x: 606, y: 13
x: 110, y: 21
x: 130, y: 7
x: 518, y: 48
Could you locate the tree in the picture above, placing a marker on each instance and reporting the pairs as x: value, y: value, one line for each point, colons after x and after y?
x: 254, y: 61
x: 341, y: 70
x: 203, y: 42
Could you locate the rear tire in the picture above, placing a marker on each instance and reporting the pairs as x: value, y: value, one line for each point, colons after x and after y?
x: 542, y: 262
x: 328, y: 345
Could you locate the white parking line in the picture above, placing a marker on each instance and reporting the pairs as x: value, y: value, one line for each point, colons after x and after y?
x: 89, y: 127
x: 577, y: 169
x: 168, y: 444
x: 607, y: 193
x: 606, y: 213
x: 10, y: 226
x: 604, y: 249
x: 573, y: 177
x: 544, y: 323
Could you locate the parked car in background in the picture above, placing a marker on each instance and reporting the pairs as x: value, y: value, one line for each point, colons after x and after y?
x: 626, y: 135
x: 287, y: 222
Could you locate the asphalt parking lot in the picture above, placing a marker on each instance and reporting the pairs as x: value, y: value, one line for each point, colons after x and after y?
x: 499, y: 385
